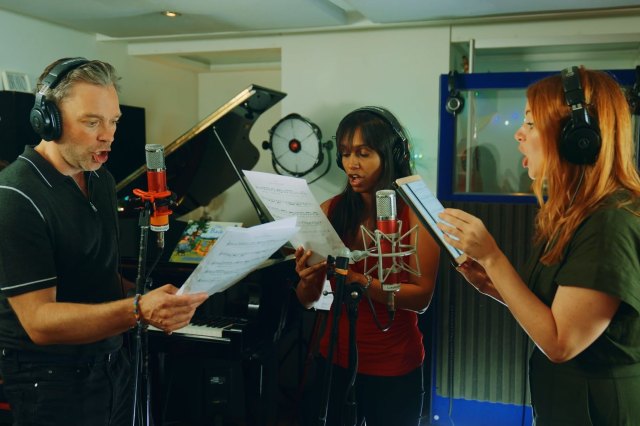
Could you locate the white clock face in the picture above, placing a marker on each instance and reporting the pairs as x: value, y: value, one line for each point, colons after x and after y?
x: 296, y: 145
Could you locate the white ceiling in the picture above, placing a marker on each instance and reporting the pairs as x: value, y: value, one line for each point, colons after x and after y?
x: 141, y: 18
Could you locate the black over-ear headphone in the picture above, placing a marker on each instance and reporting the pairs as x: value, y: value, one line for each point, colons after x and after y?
x: 580, y: 137
x: 454, y: 102
x: 45, y: 116
x: 400, y: 149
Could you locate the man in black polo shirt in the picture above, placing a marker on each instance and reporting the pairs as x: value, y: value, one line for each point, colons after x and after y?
x: 62, y: 305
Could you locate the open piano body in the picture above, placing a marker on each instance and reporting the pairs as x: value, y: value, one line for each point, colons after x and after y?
x: 214, y: 368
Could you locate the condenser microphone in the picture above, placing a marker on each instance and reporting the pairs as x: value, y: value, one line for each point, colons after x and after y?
x: 387, y: 225
x: 157, y: 185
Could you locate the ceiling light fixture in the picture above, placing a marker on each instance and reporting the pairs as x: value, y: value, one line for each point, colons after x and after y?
x: 171, y: 14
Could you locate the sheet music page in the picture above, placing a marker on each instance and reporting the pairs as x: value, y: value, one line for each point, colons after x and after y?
x: 236, y: 253
x: 286, y: 196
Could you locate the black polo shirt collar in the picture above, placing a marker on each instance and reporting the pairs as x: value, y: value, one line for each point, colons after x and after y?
x: 45, y: 169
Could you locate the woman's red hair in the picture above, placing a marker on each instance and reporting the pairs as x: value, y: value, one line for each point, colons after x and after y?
x: 614, y: 169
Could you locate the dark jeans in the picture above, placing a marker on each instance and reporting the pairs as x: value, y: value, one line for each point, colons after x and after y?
x: 381, y: 401
x: 58, y: 390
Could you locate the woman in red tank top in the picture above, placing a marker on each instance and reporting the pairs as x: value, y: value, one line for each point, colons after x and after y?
x: 373, y: 151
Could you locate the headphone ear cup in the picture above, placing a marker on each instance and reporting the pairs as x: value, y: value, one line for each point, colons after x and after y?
x: 579, y: 144
x: 46, y: 121
x: 400, y: 153
x: 55, y: 129
x: 454, y: 103
x: 37, y: 120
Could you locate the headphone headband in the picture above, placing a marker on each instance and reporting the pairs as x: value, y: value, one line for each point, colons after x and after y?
x: 580, y: 137
x: 573, y: 93
x: 386, y: 116
x: 58, y: 72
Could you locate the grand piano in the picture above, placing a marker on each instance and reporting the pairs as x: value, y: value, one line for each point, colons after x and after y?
x: 222, y: 368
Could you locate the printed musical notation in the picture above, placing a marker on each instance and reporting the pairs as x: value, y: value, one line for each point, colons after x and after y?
x: 238, y: 252
x: 286, y: 196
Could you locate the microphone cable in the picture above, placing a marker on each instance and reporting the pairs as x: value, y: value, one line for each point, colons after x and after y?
x: 147, y: 278
x: 376, y: 320
x: 575, y: 193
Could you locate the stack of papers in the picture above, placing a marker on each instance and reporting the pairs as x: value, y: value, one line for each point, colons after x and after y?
x: 286, y: 196
x: 238, y: 252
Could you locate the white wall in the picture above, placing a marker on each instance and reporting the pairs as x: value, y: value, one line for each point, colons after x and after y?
x: 168, y: 94
x: 597, y: 43
x: 27, y: 45
x: 549, y: 32
x: 328, y: 75
x: 215, y: 89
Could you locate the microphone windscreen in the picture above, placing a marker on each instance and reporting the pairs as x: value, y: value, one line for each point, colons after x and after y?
x: 386, y: 204
x: 155, y: 156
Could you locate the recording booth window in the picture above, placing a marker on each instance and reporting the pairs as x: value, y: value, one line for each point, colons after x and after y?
x: 478, y: 158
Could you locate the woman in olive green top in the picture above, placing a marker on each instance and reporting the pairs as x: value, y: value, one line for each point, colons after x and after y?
x: 579, y: 297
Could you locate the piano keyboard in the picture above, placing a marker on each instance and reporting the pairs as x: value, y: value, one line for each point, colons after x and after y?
x: 208, y: 329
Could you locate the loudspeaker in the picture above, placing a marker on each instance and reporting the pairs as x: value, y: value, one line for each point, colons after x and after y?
x: 127, y: 153
x: 454, y: 102
x: 400, y: 149
x: 580, y: 136
x: 15, y: 129
x: 45, y: 116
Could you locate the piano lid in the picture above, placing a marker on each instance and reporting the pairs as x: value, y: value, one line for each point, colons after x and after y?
x: 198, y: 170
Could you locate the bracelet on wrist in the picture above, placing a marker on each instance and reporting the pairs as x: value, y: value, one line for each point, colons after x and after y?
x: 369, y: 281
x: 136, y: 307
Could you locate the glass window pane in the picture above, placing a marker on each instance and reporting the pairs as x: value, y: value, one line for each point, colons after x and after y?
x: 487, y: 160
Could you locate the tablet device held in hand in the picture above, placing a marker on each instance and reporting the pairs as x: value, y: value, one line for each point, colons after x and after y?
x: 427, y: 207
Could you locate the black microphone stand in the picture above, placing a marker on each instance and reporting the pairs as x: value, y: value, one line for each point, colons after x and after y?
x: 354, y: 295
x: 349, y: 294
x: 141, y: 363
x: 146, y: 202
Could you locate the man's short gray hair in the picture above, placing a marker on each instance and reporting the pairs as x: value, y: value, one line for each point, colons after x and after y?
x: 93, y: 72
